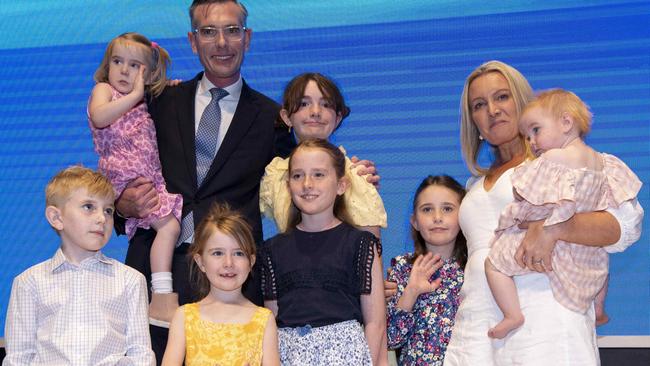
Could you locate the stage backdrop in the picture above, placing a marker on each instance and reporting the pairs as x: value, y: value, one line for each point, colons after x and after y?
x: 401, y: 65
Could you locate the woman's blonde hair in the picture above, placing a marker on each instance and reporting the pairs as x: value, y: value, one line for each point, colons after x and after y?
x: 159, y: 61
x: 521, y: 92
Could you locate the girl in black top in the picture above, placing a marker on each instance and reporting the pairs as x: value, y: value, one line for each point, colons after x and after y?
x: 323, y: 277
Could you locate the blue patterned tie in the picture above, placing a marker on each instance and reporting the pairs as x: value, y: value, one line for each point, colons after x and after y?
x: 206, y: 145
x: 207, y: 134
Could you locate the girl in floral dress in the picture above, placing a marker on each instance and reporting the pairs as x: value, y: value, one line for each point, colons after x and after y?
x: 125, y: 140
x: 421, y: 313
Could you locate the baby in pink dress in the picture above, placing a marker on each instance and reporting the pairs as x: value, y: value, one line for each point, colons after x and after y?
x: 567, y: 177
x: 125, y: 139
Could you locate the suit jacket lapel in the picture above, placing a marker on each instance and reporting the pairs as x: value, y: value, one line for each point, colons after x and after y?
x: 186, y: 127
x: 247, y: 109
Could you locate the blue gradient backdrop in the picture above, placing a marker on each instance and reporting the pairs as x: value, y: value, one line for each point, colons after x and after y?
x: 401, y: 65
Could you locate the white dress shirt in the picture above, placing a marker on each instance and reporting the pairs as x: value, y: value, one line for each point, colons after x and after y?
x: 91, y: 314
x: 227, y: 104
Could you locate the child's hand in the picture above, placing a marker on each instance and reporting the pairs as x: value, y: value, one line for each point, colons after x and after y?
x: 423, y: 268
x: 366, y: 167
x: 173, y: 82
x: 139, y: 83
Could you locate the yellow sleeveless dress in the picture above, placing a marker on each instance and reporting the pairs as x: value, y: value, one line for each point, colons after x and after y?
x: 209, y: 343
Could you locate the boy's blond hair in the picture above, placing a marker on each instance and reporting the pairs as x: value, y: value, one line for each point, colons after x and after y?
x: 557, y: 102
x: 64, y: 183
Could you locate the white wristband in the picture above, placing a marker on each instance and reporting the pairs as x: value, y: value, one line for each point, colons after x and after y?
x: 161, y: 283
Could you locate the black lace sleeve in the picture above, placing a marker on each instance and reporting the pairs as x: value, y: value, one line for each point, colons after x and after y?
x: 269, y: 289
x: 366, y: 244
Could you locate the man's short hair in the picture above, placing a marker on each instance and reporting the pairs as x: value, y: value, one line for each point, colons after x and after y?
x: 196, y: 3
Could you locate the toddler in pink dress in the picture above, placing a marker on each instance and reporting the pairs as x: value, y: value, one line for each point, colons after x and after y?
x: 567, y: 177
x: 125, y: 139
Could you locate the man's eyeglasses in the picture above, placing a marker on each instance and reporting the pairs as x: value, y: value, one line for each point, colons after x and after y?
x: 230, y: 33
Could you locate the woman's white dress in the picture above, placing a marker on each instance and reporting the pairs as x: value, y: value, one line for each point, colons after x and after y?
x: 551, y: 334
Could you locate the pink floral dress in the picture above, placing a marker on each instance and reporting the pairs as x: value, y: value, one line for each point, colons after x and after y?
x: 128, y: 149
x: 554, y: 193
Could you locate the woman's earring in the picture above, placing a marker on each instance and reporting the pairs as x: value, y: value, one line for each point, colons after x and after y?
x: 480, y: 137
x: 289, y: 129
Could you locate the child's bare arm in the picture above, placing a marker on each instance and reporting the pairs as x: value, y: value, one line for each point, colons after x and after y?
x: 175, y: 350
x: 272, y: 305
x: 373, y: 309
x: 270, y: 353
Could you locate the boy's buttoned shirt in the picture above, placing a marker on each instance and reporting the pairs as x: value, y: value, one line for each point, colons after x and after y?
x: 91, y: 314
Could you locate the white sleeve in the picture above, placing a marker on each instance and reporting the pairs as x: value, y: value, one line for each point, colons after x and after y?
x: 630, y: 218
x: 138, y: 341
x: 21, y: 323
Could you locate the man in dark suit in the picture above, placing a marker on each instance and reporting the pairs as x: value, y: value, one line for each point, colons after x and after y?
x: 246, y: 141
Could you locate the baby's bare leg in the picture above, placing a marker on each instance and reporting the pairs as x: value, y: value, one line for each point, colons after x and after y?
x: 599, y: 304
x: 505, y: 293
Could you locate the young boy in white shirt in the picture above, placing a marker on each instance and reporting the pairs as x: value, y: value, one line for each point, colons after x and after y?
x: 79, y: 307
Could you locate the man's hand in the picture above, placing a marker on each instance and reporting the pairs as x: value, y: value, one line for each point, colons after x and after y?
x: 138, y: 199
x: 390, y: 287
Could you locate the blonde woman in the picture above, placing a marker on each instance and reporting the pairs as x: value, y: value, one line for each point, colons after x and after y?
x: 492, y: 100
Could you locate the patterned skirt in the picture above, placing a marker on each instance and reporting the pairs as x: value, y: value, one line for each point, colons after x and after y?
x: 337, y: 344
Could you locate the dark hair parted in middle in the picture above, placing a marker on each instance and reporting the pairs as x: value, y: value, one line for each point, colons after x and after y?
x: 295, y: 91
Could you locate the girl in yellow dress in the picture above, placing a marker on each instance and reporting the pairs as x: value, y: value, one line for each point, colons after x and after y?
x: 223, y: 328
